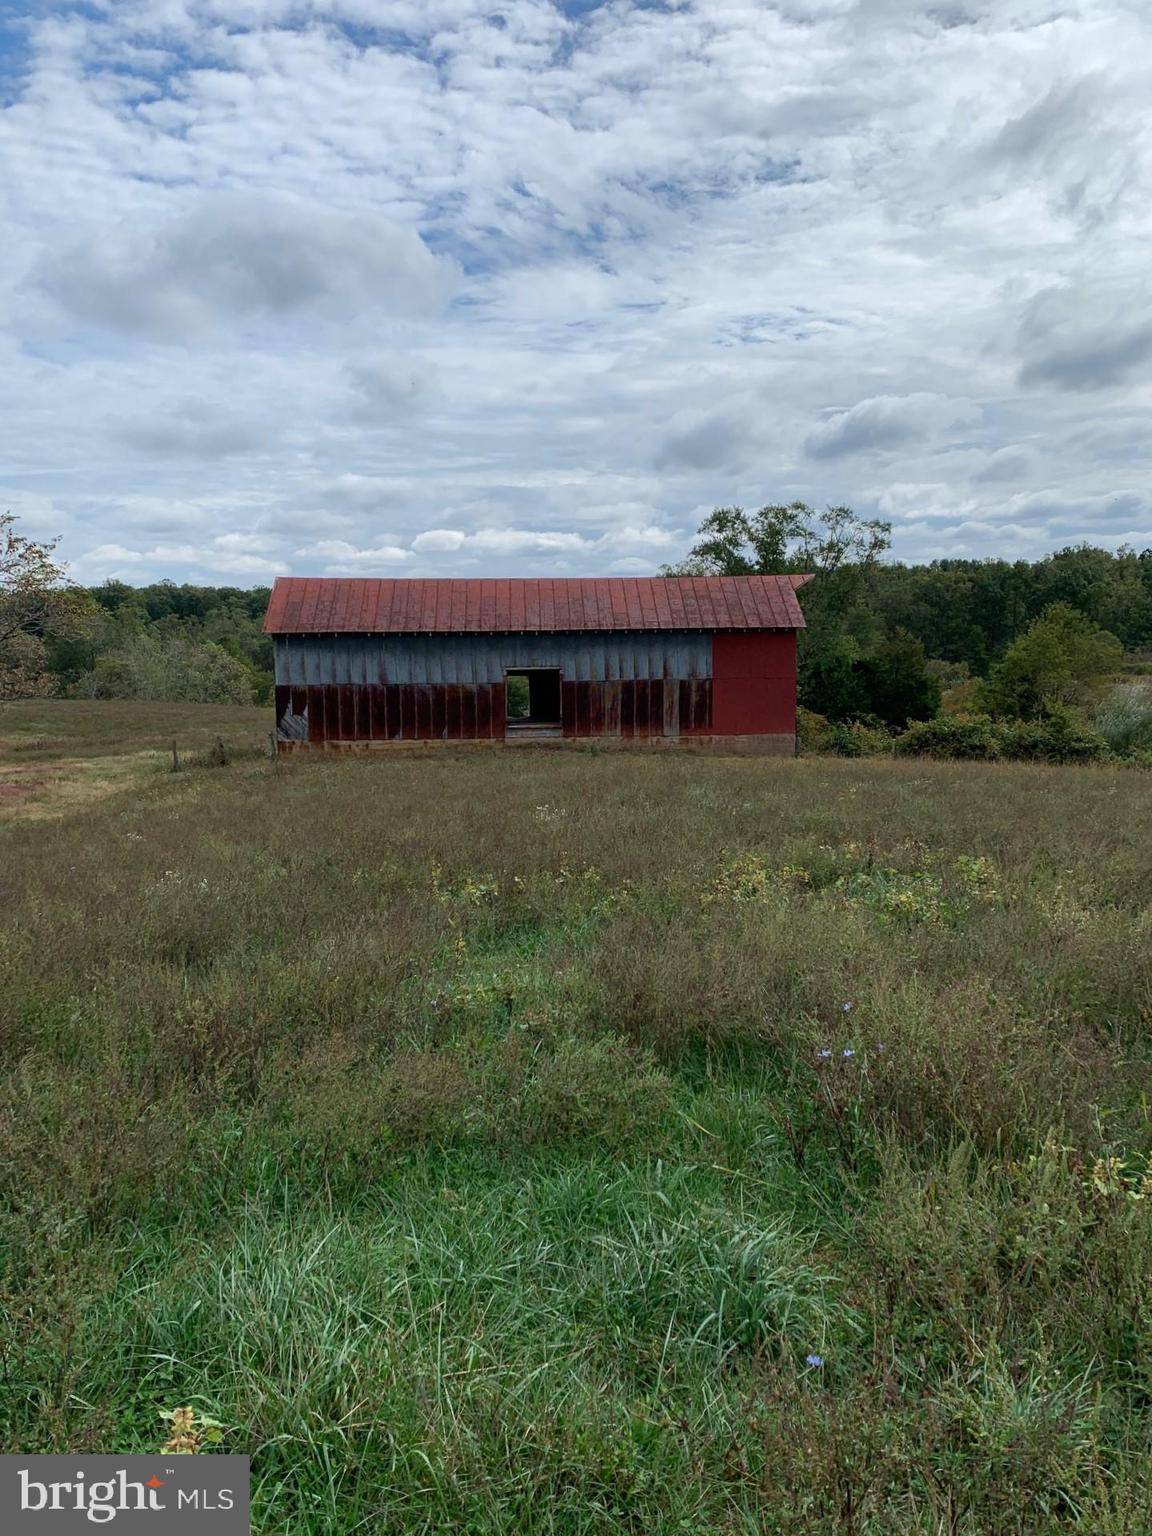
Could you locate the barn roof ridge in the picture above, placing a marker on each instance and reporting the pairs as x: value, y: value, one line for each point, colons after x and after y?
x: 509, y: 605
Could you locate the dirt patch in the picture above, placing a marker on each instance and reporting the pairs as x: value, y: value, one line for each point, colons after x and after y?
x: 70, y: 785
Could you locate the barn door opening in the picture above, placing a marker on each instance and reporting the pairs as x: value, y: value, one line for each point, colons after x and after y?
x: 533, y: 702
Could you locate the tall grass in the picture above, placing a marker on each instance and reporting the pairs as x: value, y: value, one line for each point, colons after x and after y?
x: 1124, y: 718
x: 571, y: 1143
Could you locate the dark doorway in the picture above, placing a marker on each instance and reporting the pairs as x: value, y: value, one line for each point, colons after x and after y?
x: 533, y: 699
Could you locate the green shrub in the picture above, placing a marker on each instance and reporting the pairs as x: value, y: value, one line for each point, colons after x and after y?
x: 177, y: 667
x: 812, y: 731
x: 967, y: 737
x: 897, y: 681
x: 91, y: 1143
x: 1059, y: 737
x: 855, y: 738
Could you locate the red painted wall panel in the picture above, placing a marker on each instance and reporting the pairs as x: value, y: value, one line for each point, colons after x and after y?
x: 765, y: 653
x: 754, y: 683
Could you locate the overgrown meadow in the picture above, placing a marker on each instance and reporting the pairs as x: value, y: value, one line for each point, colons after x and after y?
x: 572, y: 1142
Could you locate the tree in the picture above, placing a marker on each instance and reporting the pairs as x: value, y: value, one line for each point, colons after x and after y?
x: 897, y: 682
x: 1059, y: 659
x: 776, y: 540
x: 842, y: 551
x: 173, y: 666
x: 36, y: 601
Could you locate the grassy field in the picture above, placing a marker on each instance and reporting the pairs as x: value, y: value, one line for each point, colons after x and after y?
x: 568, y: 1143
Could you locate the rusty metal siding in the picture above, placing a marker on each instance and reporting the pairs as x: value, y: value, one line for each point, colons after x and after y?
x: 443, y: 660
x: 628, y: 707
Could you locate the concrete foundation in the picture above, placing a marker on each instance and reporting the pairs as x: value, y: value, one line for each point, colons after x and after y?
x: 776, y: 745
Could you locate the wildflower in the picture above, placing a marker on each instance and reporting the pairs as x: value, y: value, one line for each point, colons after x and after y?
x: 847, y: 1054
x: 823, y: 1055
x: 814, y: 1360
x: 190, y: 1432
x: 184, y: 1433
x: 845, y: 1007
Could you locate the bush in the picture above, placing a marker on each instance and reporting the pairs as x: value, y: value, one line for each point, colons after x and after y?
x: 339, y: 1100
x: 858, y: 738
x: 972, y: 738
x: 854, y: 738
x: 1057, y: 738
x: 812, y: 731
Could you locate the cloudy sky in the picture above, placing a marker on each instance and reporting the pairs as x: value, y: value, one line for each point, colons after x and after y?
x: 436, y: 287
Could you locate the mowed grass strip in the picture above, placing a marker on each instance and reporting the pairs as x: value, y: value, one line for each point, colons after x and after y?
x: 570, y: 1142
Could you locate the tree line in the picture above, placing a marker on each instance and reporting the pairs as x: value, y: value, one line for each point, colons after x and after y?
x: 887, y: 642
x: 162, y: 641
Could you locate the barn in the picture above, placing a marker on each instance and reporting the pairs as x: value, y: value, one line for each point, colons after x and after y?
x: 701, y: 661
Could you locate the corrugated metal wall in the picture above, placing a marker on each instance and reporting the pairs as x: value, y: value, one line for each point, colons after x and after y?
x: 426, y: 660
x: 324, y: 712
x: 437, y: 687
x: 451, y: 687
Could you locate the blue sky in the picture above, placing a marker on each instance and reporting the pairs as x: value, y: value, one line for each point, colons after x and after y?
x: 429, y: 287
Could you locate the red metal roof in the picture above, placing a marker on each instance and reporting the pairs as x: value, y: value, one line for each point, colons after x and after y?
x: 351, y: 605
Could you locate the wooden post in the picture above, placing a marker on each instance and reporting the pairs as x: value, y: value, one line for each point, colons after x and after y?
x: 175, y: 759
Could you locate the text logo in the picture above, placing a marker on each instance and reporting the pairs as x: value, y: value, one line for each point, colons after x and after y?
x: 188, y: 1495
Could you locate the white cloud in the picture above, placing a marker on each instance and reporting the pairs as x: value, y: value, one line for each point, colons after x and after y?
x: 888, y: 421
x: 226, y: 556
x: 432, y: 285
x: 710, y: 439
x: 1085, y: 337
x: 618, y: 541
x: 194, y: 429
x: 232, y: 260
x: 339, y: 551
